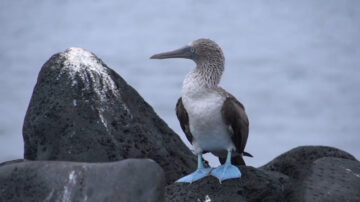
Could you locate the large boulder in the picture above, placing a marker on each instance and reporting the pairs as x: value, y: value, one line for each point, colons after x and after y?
x: 128, y: 180
x: 254, y: 185
x: 319, y: 173
x: 296, y: 162
x: 329, y: 179
x: 308, y: 173
x: 81, y: 110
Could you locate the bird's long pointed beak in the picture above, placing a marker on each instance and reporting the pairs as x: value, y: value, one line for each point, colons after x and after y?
x: 184, y: 52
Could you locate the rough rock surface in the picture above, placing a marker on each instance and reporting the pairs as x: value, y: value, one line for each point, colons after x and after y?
x: 255, y: 185
x: 296, y: 162
x: 330, y: 179
x: 81, y: 110
x: 308, y: 173
x: 314, y: 178
x: 128, y: 180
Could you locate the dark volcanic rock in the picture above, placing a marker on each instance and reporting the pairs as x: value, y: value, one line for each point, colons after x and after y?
x: 309, y: 173
x: 297, y: 161
x: 81, y: 110
x: 330, y: 179
x: 127, y: 180
x: 313, y: 177
x: 254, y: 185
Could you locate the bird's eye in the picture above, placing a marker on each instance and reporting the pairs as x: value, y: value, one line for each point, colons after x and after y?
x: 192, y: 49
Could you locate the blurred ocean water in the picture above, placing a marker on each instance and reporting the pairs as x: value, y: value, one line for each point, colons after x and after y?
x: 294, y: 65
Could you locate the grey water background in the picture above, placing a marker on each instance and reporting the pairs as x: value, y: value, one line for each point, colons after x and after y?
x: 294, y: 64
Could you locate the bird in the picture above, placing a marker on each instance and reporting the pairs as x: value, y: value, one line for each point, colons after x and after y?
x: 212, y: 119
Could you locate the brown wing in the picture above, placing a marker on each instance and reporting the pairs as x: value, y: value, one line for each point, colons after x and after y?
x: 183, y: 117
x: 235, y: 118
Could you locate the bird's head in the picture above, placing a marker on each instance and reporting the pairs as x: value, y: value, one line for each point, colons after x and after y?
x: 200, y: 51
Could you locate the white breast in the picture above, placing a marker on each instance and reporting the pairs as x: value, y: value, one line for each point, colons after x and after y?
x: 203, y: 106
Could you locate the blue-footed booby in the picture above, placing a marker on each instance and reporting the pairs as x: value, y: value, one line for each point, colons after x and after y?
x: 212, y: 119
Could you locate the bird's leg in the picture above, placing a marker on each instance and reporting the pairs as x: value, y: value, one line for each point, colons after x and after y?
x: 227, y: 170
x: 199, y: 173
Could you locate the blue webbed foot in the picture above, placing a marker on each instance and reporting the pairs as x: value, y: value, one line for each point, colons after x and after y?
x: 226, y: 171
x: 197, y: 175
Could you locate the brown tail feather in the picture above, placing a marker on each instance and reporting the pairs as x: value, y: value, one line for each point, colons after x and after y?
x: 247, y: 154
